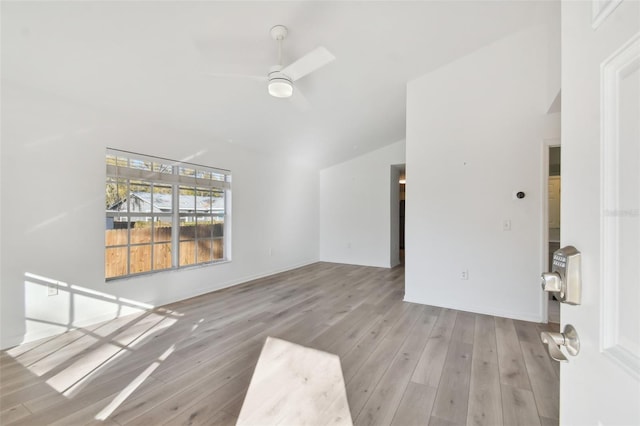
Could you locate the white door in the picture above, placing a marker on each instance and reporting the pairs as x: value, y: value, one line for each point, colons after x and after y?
x: 601, y: 208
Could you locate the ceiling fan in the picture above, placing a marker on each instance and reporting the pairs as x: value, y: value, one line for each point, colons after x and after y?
x: 280, y: 79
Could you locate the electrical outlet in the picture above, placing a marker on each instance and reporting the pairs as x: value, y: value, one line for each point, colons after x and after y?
x: 464, y: 274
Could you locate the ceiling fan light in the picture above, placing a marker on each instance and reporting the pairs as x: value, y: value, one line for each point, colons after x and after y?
x: 280, y: 88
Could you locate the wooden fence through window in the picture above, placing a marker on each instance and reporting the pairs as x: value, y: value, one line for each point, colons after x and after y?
x: 207, y: 247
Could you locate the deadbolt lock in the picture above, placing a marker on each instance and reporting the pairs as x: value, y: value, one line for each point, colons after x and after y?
x: 564, y: 280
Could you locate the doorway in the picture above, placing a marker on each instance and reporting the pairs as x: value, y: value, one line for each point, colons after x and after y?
x: 397, y: 185
x: 402, y: 181
x: 554, y: 189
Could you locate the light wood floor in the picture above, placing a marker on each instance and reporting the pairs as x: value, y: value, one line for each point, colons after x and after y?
x: 191, y: 362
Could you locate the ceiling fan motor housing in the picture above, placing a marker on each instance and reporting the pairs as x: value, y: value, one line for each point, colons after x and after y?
x: 280, y: 85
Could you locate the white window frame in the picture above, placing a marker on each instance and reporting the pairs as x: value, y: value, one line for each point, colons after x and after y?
x: 131, y: 166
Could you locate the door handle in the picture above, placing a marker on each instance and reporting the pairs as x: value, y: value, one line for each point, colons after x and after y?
x: 568, y: 338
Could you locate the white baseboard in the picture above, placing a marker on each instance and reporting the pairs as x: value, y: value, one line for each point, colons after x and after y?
x: 531, y: 317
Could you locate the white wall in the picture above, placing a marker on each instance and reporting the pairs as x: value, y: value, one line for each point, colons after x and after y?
x: 553, y: 57
x: 475, y: 131
x: 53, y: 177
x: 355, y: 222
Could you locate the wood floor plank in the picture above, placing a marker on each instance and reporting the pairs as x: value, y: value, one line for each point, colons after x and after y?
x: 556, y: 328
x: 190, y: 362
x: 174, y: 412
x: 221, y: 418
x: 544, y: 383
x: 346, y: 329
x: 452, y: 399
x: 431, y: 363
x: 385, y: 397
x: 464, y: 328
x: 353, y: 360
x: 519, y: 407
x: 544, y: 421
x: 513, y: 371
x: 109, y: 385
x: 82, y: 415
x: 415, y: 406
x: 437, y: 421
x: 485, y: 399
x: 182, y: 389
x: 11, y: 414
x: 359, y: 388
x: 484, y: 342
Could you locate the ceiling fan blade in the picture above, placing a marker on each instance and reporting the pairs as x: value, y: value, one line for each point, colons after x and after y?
x: 310, y: 62
x: 300, y: 101
x: 260, y: 78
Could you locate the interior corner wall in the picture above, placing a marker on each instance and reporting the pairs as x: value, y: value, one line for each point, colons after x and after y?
x: 355, y: 222
x: 52, y: 218
x: 475, y: 131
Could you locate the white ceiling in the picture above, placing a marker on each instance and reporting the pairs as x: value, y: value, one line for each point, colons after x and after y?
x: 150, y: 60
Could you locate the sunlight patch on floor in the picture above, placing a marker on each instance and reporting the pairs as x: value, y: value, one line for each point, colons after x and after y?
x: 131, y: 387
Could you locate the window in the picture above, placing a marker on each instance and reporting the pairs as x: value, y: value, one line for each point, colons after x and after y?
x: 163, y: 214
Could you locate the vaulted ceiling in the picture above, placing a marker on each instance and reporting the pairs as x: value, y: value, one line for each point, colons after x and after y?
x: 154, y: 60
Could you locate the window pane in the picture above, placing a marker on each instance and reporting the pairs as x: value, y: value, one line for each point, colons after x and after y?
x: 141, y: 230
x: 218, y: 249
x: 122, y: 161
x: 111, y: 159
x: 218, y: 202
x: 204, y: 229
x: 140, y: 260
x: 187, y: 231
x: 115, y: 262
x: 187, y: 253
x: 218, y: 177
x: 209, y: 201
x: 116, y: 195
x: 187, y: 171
x: 140, y: 164
x: 162, y: 230
x: 116, y: 233
x: 139, y: 198
x: 203, y: 200
x: 205, y: 251
x: 162, y: 199
x: 218, y: 228
x: 162, y: 256
x: 187, y: 204
x: 162, y: 168
x: 203, y: 174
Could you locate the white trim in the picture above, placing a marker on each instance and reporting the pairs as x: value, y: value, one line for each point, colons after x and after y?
x: 480, y: 310
x: 601, y: 9
x: 624, y: 60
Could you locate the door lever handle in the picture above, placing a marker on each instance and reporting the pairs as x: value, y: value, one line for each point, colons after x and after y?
x: 568, y: 338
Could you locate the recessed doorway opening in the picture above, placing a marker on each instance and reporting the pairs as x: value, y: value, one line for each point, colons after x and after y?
x: 398, y: 184
x: 553, y: 222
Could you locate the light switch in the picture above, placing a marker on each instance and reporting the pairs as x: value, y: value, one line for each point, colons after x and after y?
x: 506, y: 225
